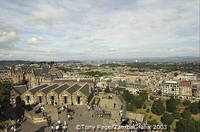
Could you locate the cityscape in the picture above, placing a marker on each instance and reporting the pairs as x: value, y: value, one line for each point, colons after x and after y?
x: 99, y: 65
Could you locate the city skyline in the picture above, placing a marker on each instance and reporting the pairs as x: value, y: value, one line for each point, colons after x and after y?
x: 98, y: 29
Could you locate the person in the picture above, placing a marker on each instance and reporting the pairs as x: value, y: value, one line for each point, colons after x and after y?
x: 66, y: 107
x: 48, y: 121
x: 12, y: 128
x: 121, y: 113
x: 59, y: 122
x: 88, y: 107
x: 65, y: 123
x: 52, y: 128
x: 68, y: 116
x: 114, y: 105
x: 64, y: 128
x: 57, y: 128
x: 121, y: 107
x: 15, y: 129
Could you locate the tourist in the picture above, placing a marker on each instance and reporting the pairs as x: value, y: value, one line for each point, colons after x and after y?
x: 121, y: 107
x: 88, y: 107
x: 48, y: 121
x: 58, y: 122
x: 68, y: 116
x: 52, y: 128
x: 64, y: 128
x: 121, y: 113
x: 114, y: 105
x: 66, y: 107
x: 57, y: 128
x: 15, y: 129
x: 65, y: 123
x: 12, y: 129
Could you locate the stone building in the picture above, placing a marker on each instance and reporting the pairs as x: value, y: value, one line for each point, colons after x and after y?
x: 170, y: 88
x: 196, y: 90
x: 185, y: 88
x: 71, y: 81
x: 65, y: 94
x: 34, y: 76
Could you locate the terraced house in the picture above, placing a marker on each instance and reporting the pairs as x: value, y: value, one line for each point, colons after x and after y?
x: 55, y: 94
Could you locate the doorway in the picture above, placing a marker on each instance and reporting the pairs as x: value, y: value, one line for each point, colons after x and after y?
x: 40, y: 99
x: 78, y: 99
x: 52, y: 100
x: 28, y: 99
x: 65, y: 99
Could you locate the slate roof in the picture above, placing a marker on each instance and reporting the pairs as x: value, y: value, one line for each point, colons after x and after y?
x: 85, y: 90
x: 61, y: 88
x: 35, y: 89
x: 20, y: 89
x: 42, y: 72
x: 49, y: 88
x: 73, y: 88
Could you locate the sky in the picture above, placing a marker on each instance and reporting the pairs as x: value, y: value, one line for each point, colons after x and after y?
x: 57, y: 30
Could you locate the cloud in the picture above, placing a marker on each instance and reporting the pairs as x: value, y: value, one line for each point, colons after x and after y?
x: 8, y: 37
x: 102, y: 29
x: 36, y: 40
x: 46, y: 14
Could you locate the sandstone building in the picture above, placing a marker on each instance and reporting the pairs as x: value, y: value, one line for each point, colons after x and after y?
x: 55, y: 94
x: 34, y: 76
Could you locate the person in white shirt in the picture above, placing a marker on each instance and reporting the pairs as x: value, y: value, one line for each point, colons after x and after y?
x: 57, y: 128
x: 64, y: 128
x: 12, y: 128
x: 59, y: 122
x: 65, y: 123
x: 52, y: 128
x: 68, y: 116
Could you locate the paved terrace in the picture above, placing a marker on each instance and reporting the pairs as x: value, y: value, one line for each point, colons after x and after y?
x: 81, y: 116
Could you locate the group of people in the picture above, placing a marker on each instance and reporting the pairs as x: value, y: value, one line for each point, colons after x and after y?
x: 13, y: 128
x: 17, y: 124
x: 59, y: 126
x: 91, y: 107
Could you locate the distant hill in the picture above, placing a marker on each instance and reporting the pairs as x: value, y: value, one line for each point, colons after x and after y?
x: 170, y: 59
x: 139, y: 59
x: 156, y: 59
x: 14, y: 62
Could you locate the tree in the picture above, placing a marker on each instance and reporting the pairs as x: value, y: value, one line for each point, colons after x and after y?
x: 130, y: 107
x: 127, y: 96
x: 186, y: 102
x: 167, y: 119
x: 195, y: 107
x: 171, y: 104
x: 152, y: 122
x: 5, y: 88
x: 190, y: 125
x: 186, y: 114
x: 175, y: 74
x: 107, y: 90
x: 176, y: 115
x: 137, y: 101
x: 158, y: 107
